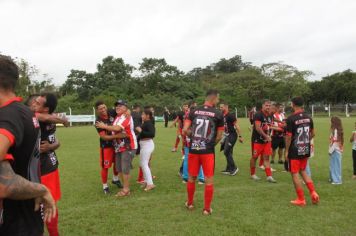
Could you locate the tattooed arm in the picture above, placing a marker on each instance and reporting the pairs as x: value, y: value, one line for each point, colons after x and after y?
x: 15, y: 187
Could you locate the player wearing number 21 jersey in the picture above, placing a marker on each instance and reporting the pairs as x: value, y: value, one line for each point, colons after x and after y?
x: 300, y: 131
x: 207, y: 126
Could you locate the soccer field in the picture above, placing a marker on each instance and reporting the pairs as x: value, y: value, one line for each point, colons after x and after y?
x: 241, y: 206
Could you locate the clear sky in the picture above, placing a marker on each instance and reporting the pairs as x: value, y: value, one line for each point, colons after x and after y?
x: 57, y: 36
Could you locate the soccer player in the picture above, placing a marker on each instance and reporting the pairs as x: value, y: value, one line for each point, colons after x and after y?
x: 46, y: 104
x: 107, y: 152
x: 180, y: 120
x: 125, y: 146
x: 300, y: 130
x: 20, y: 190
x: 166, y: 115
x: 278, y: 136
x: 231, y: 126
x: 207, y: 126
x: 262, y: 141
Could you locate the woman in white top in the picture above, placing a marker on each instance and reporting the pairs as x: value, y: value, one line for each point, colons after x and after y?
x: 335, y: 150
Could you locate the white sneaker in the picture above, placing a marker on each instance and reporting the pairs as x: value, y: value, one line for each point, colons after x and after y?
x: 262, y: 167
x: 183, y: 157
x: 174, y: 150
x: 273, y: 170
x: 255, y: 177
x: 271, y: 180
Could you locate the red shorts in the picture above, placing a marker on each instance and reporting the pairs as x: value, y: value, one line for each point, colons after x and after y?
x: 107, y: 157
x: 296, y: 165
x: 207, y: 161
x: 51, y: 181
x: 264, y: 149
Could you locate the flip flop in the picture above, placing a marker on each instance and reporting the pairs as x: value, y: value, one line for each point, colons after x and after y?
x: 122, y: 193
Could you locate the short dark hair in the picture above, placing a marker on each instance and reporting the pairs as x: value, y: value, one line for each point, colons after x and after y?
x: 135, y: 106
x: 265, y: 101
x: 212, y: 92
x: 98, y: 103
x: 148, y: 111
x: 9, y: 73
x: 30, y: 99
x: 298, y: 101
x: 51, y: 102
x: 278, y: 104
x: 224, y: 103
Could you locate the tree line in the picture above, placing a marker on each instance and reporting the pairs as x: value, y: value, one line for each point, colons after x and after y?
x: 155, y: 82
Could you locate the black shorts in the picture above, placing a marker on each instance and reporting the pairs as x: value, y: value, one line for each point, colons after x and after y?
x: 278, y: 142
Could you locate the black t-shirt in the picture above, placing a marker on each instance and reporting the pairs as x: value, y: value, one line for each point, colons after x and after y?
x: 299, y: 127
x: 166, y: 115
x: 148, y: 130
x: 205, y: 123
x: 180, y: 116
x: 265, y: 123
x: 229, y: 123
x: 137, y: 119
x: 49, y: 161
x: 108, y: 121
x: 19, y: 216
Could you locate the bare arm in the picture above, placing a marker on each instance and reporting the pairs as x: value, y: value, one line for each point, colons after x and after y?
x: 260, y: 131
x: 114, y: 128
x: 352, y: 137
x: 238, y: 129
x: 51, y: 118
x: 288, y: 142
x: 174, y: 122
x: 219, y: 136
x: 186, y: 127
x: 46, y: 146
x: 112, y: 137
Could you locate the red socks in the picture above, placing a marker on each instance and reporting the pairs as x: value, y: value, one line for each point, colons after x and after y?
x: 310, y: 186
x: 191, y: 191
x: 253, y: 170
x: 104, y: 175
x: 52, y: 227
x: 208, y: 196
x: 177, y: 142
x: 140, y: 175
x: 268, y: 171
x: 300, y: 194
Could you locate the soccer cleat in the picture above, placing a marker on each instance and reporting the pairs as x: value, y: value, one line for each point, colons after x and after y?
x: 201, y: 182
x: 189, y: 207
x: 174, y: 150
x: 272, y: 161
x: 336, y: 183
x: 255, y: 177
x: 271, y: 180
x: 280, y: 162
x: 298, y: 202
x: 273, y: 170
x: 225, y: 172
x: 117, y: 183
x: 315, y: 198
x: 262, y: 167
x: 234, y: 172
x: 207, y: 212
x: 184, y: 181
x: 106, y: 190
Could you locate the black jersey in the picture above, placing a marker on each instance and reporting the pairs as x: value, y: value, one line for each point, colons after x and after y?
x: 19, y: 217
x: 229, y: 123
x: 137, y: 120
x: 49, y: 161
x: 205, y: 123
x: 180, y: 116
x: 108, y: 121
x: 265, y: 123
x: 299, y: 127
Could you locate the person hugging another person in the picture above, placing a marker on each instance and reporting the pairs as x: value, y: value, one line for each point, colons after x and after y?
x: 146, y: 134
x: 335, y: 150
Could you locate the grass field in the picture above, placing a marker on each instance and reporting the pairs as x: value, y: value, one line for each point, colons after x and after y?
x: 241, y: 206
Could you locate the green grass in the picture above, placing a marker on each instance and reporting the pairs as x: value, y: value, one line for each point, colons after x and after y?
x: 241, y: 206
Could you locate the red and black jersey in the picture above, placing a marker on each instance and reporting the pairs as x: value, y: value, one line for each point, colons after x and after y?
x: 49, y: 161
x: 108, y: 120
x: 229, y: 123
x: 185, y: 138
x: 180, y: 116
x: 265, y: 121
x: 205, y: 123
x: 299, y: 127
x: 22, y: 128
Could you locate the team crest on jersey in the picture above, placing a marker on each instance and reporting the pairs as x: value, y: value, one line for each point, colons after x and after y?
x: 36, y: 124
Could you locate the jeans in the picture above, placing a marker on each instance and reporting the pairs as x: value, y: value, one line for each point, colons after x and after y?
x: 147, y: 147
x: 335, y: 167
x: 185, y: 166
x: 229, y: 144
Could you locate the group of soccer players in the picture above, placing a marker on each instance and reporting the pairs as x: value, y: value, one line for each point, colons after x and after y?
x: 29, y: 165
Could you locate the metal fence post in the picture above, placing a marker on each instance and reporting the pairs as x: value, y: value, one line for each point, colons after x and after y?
x: 70, y: 114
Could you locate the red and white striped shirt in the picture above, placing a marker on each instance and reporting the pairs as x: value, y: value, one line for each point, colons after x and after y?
x: 127, y: 125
